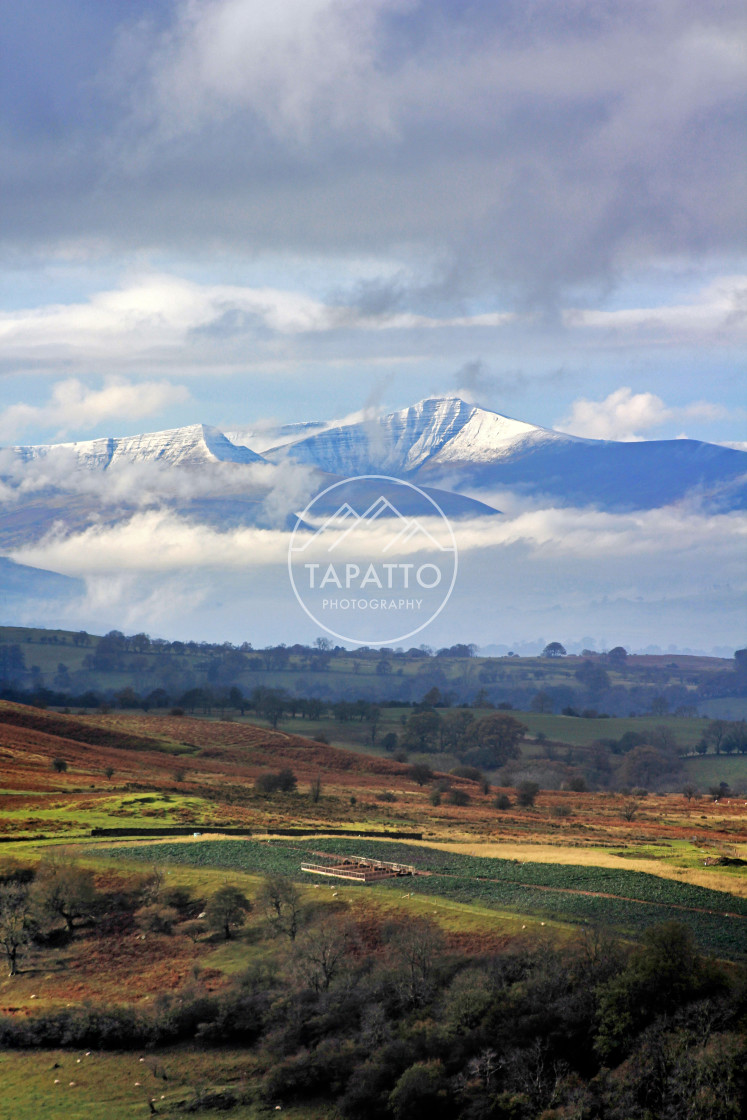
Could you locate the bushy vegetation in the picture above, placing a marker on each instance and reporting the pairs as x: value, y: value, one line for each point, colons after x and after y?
x: 385, y: 1021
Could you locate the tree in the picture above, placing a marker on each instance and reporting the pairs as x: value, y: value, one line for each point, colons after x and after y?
x: 630, y: 808
x: 416, y: 947
x: 662, y: 974
x: 645, y: 766
x: 421, y: 1093
x: 659, y: 706
x: 280, y: 902
x: 59, y: 765
x: 526, y: 793
x: 421, y: 773
x: 617, y: 656
x: 193, y: 929
x: 736, y: 740
x: 319, y: 952
x: 15, y: 914
x: 715, y: 734
x: 497, y: 737
x: 63, y: 890
x: 421, y: 731
x: 554, y: 649
x: 373, y: 715
x: 690, y: 791
x: 227, y: 910
x: 541, y: 702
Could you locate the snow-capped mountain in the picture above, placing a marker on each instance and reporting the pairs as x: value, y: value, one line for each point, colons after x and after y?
x: 191, y: 446
x: 449, y: 443
x: 442, y: 443
x: 436, y: 430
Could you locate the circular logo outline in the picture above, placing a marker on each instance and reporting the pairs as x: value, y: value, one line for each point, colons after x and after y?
x: 398, y: 482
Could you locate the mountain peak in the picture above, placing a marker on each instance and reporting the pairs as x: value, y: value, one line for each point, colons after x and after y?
x: 191, y: 445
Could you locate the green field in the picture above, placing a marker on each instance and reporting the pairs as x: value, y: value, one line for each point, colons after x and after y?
x: 629, y: 901
x: 710, y: 769
x: 118, y: 1086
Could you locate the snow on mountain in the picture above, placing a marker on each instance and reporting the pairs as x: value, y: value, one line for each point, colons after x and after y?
x: 446, y: 442
x: 487, y: 437
x: 190, y: 446
x: 436, y: 430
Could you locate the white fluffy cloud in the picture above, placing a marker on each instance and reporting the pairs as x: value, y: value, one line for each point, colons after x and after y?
x: 625, y: 415
x: 75, y: 407
x: 641, y: 577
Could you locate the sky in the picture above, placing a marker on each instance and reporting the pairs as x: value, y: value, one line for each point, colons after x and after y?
x: 226, y: 212
x: 219, y: 212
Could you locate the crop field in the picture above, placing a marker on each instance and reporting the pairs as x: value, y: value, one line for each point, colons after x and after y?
x: 629, y: 901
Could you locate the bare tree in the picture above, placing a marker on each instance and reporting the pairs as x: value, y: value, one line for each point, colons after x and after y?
x: 64, y: 890
x: 15, y: 912
x: 630, y: 809
x: 281, y: 903
x: 415, y: 947
x: 320, y: 952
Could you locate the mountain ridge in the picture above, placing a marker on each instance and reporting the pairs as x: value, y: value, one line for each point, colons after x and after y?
x: 453, y: 445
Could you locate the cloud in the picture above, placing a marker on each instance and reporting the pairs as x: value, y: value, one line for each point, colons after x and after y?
x: 670, y: 575
x: 518, y: 151
x: 155, y: 541
x: 625, y: 415
x: 719, y: 311
x: 165, y: 319
x: 74, y: 406
x: 293, y: 64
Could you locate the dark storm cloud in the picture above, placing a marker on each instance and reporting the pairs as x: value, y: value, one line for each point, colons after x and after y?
x: 515, y: 148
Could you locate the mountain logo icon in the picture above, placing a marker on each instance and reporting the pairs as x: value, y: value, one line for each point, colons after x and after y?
x: 372, y: 559
x: 337, y: 528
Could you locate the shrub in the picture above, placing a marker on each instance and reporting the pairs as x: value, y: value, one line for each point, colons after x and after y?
x: 502, y: 802
x: 59, y: 765
x: 177, y: 897
x: 470, y: 772
x: 526, y: 793
x: 156, y: 919
x: 193, y: 929
x: 282, y: 781
x: 421, y: 773
x: 561, y: 811
x: 386, y: 795
x: 458, y: 797
x: 176, y: 712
